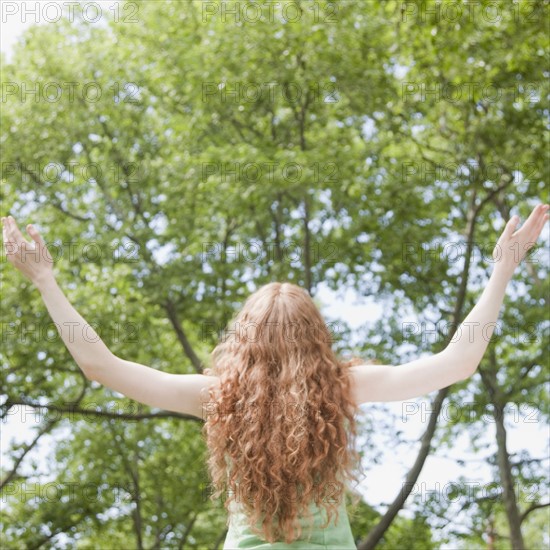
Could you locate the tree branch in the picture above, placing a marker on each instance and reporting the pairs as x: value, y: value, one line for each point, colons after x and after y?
x: 73, y: 409
x: 170, y: 307
x: 531, y: 508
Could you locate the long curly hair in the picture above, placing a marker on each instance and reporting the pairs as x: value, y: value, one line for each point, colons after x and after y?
x: 281, y: 426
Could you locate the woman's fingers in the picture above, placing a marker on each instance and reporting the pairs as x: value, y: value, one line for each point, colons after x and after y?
x: 13, y: 231
x: 544, y: 218
x: 511, y: 225
x: 10, y: 243
x: 538, y: 213
x: 35, y: 236
x: 7, y: 230
x: 13, y: 236
x: 537, y: 220
x: 5, y: 237
x: 533, y: 224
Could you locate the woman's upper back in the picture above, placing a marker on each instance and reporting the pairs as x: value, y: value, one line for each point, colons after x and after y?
x: 336, y: 536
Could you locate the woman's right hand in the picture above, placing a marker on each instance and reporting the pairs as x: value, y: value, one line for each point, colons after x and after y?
x: 32, y: 258
x: 512, y: 246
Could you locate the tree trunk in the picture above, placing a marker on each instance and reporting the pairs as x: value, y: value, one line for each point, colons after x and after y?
x: 507, y: 480
x: 488, y: 376
x: 376, y: 534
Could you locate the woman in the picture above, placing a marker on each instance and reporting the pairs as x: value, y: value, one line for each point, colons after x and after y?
x: 278, y: 404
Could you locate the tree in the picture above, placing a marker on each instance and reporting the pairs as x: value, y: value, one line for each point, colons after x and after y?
x: 199, y: 155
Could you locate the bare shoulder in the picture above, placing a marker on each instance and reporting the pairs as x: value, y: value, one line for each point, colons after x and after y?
x: 200, y: 384
x: 188, y: 393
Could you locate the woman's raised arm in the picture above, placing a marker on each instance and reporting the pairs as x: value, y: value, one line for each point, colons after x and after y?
x: 173, y: 392
x: 460, y: 359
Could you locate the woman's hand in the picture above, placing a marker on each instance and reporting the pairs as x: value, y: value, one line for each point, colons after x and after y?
x: 512, y: 246
x: 32, y: 259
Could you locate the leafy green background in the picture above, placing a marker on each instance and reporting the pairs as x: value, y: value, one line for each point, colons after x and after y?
x: 343, y: 143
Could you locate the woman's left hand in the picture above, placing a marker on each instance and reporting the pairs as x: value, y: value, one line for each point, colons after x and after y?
x: 32, y: 258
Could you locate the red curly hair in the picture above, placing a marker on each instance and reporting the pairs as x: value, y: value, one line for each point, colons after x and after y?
x: 283, y: 428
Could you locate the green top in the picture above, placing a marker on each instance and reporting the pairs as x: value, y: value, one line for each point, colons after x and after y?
x: 336, y: 536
